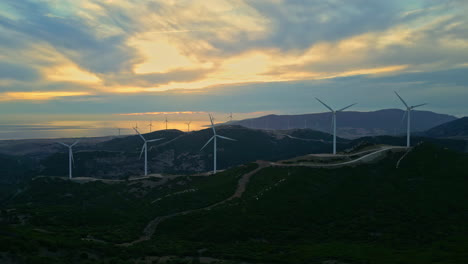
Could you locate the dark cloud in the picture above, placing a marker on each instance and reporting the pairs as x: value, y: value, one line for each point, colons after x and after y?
x: 298, y: 24
x: 73, y: 37
x: 18, y: 72
x: 155, y: 79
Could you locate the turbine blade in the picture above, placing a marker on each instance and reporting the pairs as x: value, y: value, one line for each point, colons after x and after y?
x: 342, y: 109
x: 414, y: 106
x: 63, y: 144
x: 403, y: 118
x: 208, y: 142
x: 76, y: 142
x: 142, y: 149
x: 212, y: 125
x: 226, y: 138
x: 324, y: 104
x: 139, y: 134
x: 403, y: 101
x: 153, y: 140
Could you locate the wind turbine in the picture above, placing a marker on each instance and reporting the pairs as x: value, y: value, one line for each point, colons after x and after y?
x: 70, y: 156
x: 145, y: 148
x: 214, y: 137
x: 118, y: 128
x: 408, y: 113
x: 334, y: 120
x: 166, y: 122
x: 188, y: 126
x: 230, y: 117
x: 151, y: 126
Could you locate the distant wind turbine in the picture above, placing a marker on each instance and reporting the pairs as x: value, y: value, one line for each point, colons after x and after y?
x: 70, y: 156
x: 151, y: 126
x: 188, y: 125
x: 145, y: 148
x: 166, y: 122
x: 230, y: 117
x: 408, y: 114
x: 334, y: 120
x: 118, y: 129
x: 214, y: 137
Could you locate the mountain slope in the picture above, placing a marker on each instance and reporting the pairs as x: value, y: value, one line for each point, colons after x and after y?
x: 456, y: 128
x: 120, y: 157
x: 371, y: 213
x: 367, y: 214
x: 352, y: 124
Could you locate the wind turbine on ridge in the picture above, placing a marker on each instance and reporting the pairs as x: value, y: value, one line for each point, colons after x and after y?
x: 188, y: 125
x: 334, y: 120
x: 145, y: 149
x: 214, y: 137
x: 70, y: 156
x: 408, y: 114
x: 151, y: 126
x: 166, y: 122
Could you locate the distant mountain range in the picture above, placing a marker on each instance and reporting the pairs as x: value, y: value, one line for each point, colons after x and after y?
x: 454, y: 129
x: 352, y: 124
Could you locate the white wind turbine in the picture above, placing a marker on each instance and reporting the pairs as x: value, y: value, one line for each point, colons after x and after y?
x: 145, y: 149
x: 408, y: 114
x: 70, y: 156
x: 214, y: 137
x: 334, y: 120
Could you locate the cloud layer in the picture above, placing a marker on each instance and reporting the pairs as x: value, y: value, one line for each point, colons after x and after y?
x: 195, y: 55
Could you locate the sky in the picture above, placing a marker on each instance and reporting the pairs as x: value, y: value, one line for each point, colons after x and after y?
x: 67, y: 64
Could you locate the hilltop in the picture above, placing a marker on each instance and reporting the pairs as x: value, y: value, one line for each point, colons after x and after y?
x: 179, y: 152
x: 454, y: 129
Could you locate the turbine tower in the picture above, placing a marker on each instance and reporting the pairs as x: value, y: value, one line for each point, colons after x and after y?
x: 166, y: 122
x: 334, y: 120
x: 70, y: 156
x: 145, y: 148
x: 214, y: 137
x: 408, y: 114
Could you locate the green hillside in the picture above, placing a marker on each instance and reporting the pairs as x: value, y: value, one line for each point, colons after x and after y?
x: 371, y: 213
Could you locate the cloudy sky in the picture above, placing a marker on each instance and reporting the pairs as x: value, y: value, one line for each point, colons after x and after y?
x: 96, y: 59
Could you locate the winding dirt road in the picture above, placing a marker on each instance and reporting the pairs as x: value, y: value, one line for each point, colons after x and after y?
x: 151, y: 227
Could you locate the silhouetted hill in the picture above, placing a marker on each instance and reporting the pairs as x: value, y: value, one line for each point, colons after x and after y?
x: 456, y: 128
x: 453, y: 144
x: 352, y: 124
x: 181, y: 153
x: 370, y: 213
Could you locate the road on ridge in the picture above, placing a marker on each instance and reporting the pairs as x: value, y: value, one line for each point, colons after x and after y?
x: 151, y: 227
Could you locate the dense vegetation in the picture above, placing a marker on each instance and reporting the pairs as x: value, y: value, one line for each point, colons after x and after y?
x: 367, y: 214
x: 371, y: 213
